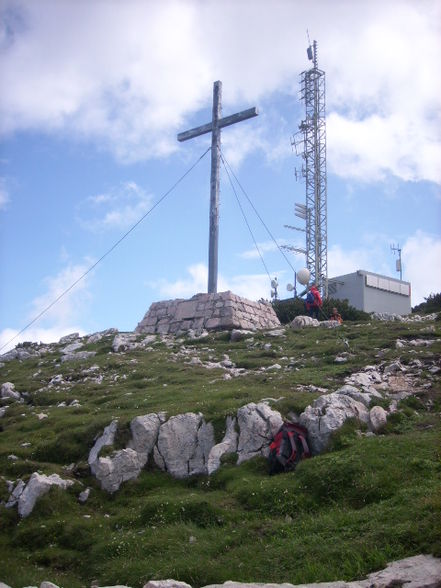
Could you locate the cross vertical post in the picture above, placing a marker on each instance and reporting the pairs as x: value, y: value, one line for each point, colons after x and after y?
x: 213, y: 243
x: 214, y: 127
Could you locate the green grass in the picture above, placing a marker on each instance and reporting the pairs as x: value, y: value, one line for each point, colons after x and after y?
x: 339, y: 516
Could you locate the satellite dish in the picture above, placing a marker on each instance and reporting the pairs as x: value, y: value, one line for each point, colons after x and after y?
x: 274, y: 283
x: 303, y: 276
x: 289, y: 287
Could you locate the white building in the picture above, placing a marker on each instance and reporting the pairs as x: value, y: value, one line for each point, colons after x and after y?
x: 372, y: 292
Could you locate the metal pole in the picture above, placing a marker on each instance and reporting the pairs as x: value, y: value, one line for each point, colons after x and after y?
x: 214, y: 189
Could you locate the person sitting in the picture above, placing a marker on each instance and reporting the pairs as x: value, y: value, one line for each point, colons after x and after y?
x: 336, y: 316
x: 313, y: 302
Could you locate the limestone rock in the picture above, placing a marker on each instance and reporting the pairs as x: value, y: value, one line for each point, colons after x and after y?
x: 327, y: 414
x: 84, y: 495
x: 68, y: 338
x: 258, y: 424
x: 420, y: 571
x: 107, y: 438
x: 183, y: 446
x: 95, y: 337
x: 15, y: 494
x: 300, y: 322
x: 145, y: 431
x: 8, y: 390
x: 77, y: 356
x: 38, y: 485
x: 330, y: 324
x: 123, y: 465
x: 124, y: 342
x: 46, y: 584
x: 71, y: 347
x: 227, y: 445
x: 166, y: 584
x: 377, y: 418
x: 355, y: 394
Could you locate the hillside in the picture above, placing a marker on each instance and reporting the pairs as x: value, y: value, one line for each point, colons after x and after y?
x: 367, y: 500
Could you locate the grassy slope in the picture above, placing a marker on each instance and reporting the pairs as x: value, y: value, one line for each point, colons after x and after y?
x: 339, y: 516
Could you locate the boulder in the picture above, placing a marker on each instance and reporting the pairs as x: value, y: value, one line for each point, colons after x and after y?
x: 145, y: 431
x: 15, y: 494
x: 8, y: 390
x: 377, y: 418
x: 300, y: 322
x: 258, y: 424
x: 112, y: 471
x: 71, y: 347
x: 183, y: 446
x: 227, y: 445
x: 124, y: 342
x: 84, y: 495
x: 38, y: 485
x: 166, y: 584
x: 107, y: 438
x: 77, y: 356
x: 95, y: 337
x: 326, y: 415
x: 68, y: 338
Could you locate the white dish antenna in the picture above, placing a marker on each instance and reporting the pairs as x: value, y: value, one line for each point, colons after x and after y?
x: 303, y: 276
x: 289, y: 287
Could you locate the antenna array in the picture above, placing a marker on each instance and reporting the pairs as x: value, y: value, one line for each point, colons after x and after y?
x: 310, y: 144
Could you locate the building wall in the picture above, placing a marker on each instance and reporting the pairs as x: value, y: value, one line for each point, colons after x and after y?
x: 372, y: 292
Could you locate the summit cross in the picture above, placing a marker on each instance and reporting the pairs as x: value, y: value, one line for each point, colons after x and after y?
x: 214, y: 127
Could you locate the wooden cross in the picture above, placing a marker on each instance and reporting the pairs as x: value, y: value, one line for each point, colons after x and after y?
x: 214, y: 127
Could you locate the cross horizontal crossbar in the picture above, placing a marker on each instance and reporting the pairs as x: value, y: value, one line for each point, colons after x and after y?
x: 223, y: 122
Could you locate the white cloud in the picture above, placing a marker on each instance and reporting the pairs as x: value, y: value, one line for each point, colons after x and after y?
x: 129, y: 75
x: 9, y: 338
x: 63, y: 317
x: 251, y: 286
x: 421, y: 255
x: 119, y: 208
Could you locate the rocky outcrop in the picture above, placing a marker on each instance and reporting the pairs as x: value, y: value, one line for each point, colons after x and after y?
x: 258, y: 424
x: 8, y: 392
x: 377, y: 418
x: 112, y: 471
x: 183, y: 446
x: 327, y: 414
x: 107, y: 438
x: 26, y: 495
x: 300, y: 322
x: 227, y: 445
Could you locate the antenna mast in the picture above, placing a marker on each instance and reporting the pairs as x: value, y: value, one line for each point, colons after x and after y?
x: 310, y: 144
x: 398, y: 264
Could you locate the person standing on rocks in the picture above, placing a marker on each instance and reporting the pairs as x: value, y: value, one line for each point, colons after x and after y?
x: 313, y: 302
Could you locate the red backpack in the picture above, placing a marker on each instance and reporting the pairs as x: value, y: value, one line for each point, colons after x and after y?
x: 288, y: 448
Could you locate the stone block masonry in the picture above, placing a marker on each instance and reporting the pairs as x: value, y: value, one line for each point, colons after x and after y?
x: 211, y: 312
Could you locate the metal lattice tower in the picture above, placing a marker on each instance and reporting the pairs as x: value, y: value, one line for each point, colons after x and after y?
x: 310, y: 144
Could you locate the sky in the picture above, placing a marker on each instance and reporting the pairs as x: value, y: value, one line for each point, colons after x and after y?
x: 93, y: 95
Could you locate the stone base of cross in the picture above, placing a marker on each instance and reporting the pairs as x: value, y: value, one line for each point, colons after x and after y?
x: 214, y: 127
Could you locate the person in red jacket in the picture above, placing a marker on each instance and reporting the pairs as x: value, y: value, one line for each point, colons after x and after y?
x: 313, y: 302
